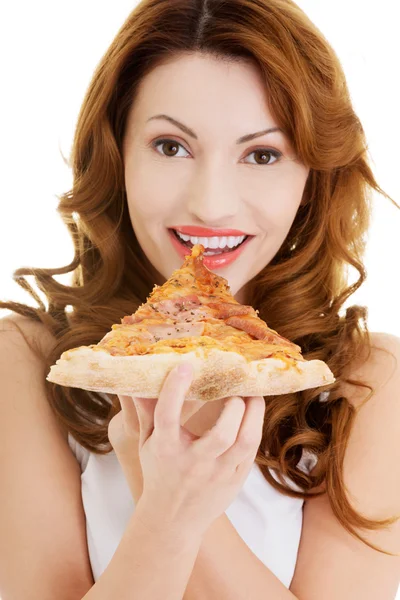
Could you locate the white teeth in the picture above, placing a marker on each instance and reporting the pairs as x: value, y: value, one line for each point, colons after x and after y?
x: 185, y: 237
x: 213, y: 242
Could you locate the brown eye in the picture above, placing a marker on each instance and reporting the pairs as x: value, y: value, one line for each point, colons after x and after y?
x: 169, y: 147
x: 265, y: 156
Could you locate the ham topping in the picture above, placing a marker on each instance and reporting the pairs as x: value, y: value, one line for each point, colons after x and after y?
x: 184, y: 309
x: 132, y: 319
x: 224, y: 310
x: 258, y: 329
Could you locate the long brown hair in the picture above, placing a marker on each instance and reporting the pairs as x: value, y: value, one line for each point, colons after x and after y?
x: 111, y: 276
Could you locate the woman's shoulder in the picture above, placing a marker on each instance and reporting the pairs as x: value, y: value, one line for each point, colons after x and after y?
x: 19, y: 329
x: 376, y: 368
x: 23, y: 345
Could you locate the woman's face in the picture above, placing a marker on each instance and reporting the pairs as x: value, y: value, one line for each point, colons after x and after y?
x: 209, y: 179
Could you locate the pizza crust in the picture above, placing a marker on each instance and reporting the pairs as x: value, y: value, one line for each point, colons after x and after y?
x: 217, y: 374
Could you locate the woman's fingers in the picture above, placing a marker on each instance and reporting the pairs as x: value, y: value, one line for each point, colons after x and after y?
x: 129, y: 414
x: 237, y: 432
x: 224, y: 433
x: 123, y: 429
x: 249, y: 435
x: 191, y: 408
x: 167, y: 414
x: 145, y: 411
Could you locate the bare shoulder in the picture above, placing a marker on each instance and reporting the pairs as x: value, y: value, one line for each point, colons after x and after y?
x: 385, y: 354
x: 19, y: 329
x: 373, y: 452
x: 331, y: 562
x: 41, y: 516
x: 378, y: 369
x: 20, y: 336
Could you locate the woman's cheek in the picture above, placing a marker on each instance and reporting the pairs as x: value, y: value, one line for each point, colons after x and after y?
x: 154, y: 190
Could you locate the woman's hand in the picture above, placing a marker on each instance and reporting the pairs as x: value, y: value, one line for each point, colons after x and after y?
x: 188, y: 480
x: 124, y: 433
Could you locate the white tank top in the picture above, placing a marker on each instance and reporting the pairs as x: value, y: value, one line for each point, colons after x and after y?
x: 269, y: 522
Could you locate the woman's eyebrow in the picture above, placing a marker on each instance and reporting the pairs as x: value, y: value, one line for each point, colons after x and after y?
x: 188, y: 131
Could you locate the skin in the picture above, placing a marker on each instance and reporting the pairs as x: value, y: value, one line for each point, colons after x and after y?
x: 210, y: 181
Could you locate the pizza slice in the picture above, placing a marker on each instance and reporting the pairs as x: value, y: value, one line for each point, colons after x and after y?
x: 191, y: 317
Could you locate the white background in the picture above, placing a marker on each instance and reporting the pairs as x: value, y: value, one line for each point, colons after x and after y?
x: 48, y: 52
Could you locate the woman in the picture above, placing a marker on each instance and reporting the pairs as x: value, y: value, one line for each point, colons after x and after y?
x: 229, y: 115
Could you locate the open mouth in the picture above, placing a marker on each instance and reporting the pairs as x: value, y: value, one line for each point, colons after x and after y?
x: 212, y: 245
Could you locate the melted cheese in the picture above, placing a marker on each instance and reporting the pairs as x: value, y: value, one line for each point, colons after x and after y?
x: 249, y: 349
x: 236, y: 341
x: 194, y: 280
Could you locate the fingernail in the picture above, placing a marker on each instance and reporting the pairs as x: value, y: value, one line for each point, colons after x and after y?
x: 185, y: 369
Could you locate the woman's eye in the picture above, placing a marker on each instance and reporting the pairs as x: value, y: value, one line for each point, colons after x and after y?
x: 265, y: 155
x: 171, y: 147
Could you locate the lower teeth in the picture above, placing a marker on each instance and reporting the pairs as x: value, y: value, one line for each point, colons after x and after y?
x: 220, y: 251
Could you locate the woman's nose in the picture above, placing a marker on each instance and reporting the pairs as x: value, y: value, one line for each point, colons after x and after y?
x: 213, y: 200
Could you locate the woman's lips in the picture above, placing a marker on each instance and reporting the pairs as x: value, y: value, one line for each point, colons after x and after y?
x: 216, y: 261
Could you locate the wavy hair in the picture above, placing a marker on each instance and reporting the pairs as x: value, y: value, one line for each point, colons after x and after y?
x: 111, y: 276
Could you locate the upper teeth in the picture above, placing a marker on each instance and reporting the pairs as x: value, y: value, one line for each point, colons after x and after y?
x: 213, y: 242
